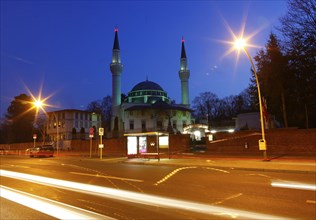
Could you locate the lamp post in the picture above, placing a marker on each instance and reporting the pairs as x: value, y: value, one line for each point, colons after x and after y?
x: 57, y: 133
x: 39, y: 105
x: 241, y: 44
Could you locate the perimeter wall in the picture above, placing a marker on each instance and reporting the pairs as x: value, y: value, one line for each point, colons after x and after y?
x: 279, y: 142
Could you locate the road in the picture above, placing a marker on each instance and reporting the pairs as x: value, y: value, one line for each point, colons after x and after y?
x: 113, y: 189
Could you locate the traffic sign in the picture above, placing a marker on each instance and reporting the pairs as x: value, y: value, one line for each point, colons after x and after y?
x: 91, y: 131
x: 101, y: 131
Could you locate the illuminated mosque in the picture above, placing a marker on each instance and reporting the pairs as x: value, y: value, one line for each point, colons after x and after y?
x: 147, y: 106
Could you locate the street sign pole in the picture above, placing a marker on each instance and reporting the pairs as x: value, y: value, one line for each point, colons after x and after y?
x: 91, y: 131
x: 34, y: 137
x: 101, y: 133
x: 90, y: 146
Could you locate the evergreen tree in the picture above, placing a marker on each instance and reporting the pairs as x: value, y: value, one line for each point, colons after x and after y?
x: 20, y: 119
x: 273, y: 75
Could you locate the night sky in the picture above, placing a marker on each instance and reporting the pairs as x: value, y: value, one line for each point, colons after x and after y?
x: 65, y: 47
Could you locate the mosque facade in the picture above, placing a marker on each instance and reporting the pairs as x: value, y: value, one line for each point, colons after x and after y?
x: 147, y: 106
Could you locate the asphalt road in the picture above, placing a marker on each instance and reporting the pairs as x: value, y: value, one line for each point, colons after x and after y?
x: 133, y: 191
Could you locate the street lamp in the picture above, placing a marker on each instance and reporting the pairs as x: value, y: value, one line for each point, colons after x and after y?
x: 39, y: 104
x: 57, y: 132
x: 240, y: 44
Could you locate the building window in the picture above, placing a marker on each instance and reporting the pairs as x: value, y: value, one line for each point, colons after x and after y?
x: 174, y: 113
x: 86, y: 116
x: 76, y: 115
x: 174, y: 124
x: 159, y: 124
x: 131, y: 124
x: 143, y: 124
x: 81, y: 116
x: 184, y: 124
x: 76, y: 124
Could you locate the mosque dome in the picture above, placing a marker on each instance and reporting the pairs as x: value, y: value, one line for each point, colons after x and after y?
x: 147, y: 92
x: 147, y: 85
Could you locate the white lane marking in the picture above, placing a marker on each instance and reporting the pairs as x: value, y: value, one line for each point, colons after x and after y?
x: 107, y: 177
x: 171, y: 174
x: 258, y: 174
x: 228, y: 198
x: 223, y: 171
x: 139, y: 198
x: 49, y: 207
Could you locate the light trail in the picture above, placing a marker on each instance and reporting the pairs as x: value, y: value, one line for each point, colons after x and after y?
x: 49, y: 207
x: 293, y: 185
x: 107, y: 177
x: 139, y: 198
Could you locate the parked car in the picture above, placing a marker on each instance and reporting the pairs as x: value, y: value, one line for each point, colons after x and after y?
x: 42, y: 151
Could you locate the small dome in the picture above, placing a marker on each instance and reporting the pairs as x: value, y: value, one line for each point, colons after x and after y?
x: 147, y: 85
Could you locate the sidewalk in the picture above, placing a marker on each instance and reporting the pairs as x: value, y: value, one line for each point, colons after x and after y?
x: 300, y: 164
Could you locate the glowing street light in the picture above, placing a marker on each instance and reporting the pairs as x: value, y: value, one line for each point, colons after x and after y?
x: 38, y: 103
x: 240, y: 44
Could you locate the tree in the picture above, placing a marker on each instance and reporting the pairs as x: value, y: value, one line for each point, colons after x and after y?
x: 273, y: 77
x: 252, y: 93
x: 298, y: 27
x: 107, y: 112
x: 205, y: 107
x: 20, y: 119
x: 104, y: 108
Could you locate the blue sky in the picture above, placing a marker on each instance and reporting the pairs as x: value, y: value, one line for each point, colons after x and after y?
x: 66, y: 46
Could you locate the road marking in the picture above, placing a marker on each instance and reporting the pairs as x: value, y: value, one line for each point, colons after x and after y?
x: 311, y: 201
x: 107, y: 177
x: 228, y: 198
x: 171, y: 174
x: 223, y: 171
x: 256, y: 174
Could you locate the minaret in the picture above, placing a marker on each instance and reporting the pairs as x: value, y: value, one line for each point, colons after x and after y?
x: 116, y: 69
x: 184, y: 74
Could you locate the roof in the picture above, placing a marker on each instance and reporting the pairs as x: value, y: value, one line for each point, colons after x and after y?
x: 158, y: 105
x: 183, y: 54
x: 147, y: 85
x: 116, y: 45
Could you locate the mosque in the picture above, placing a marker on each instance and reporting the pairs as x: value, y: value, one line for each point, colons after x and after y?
x: 147, y: 106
